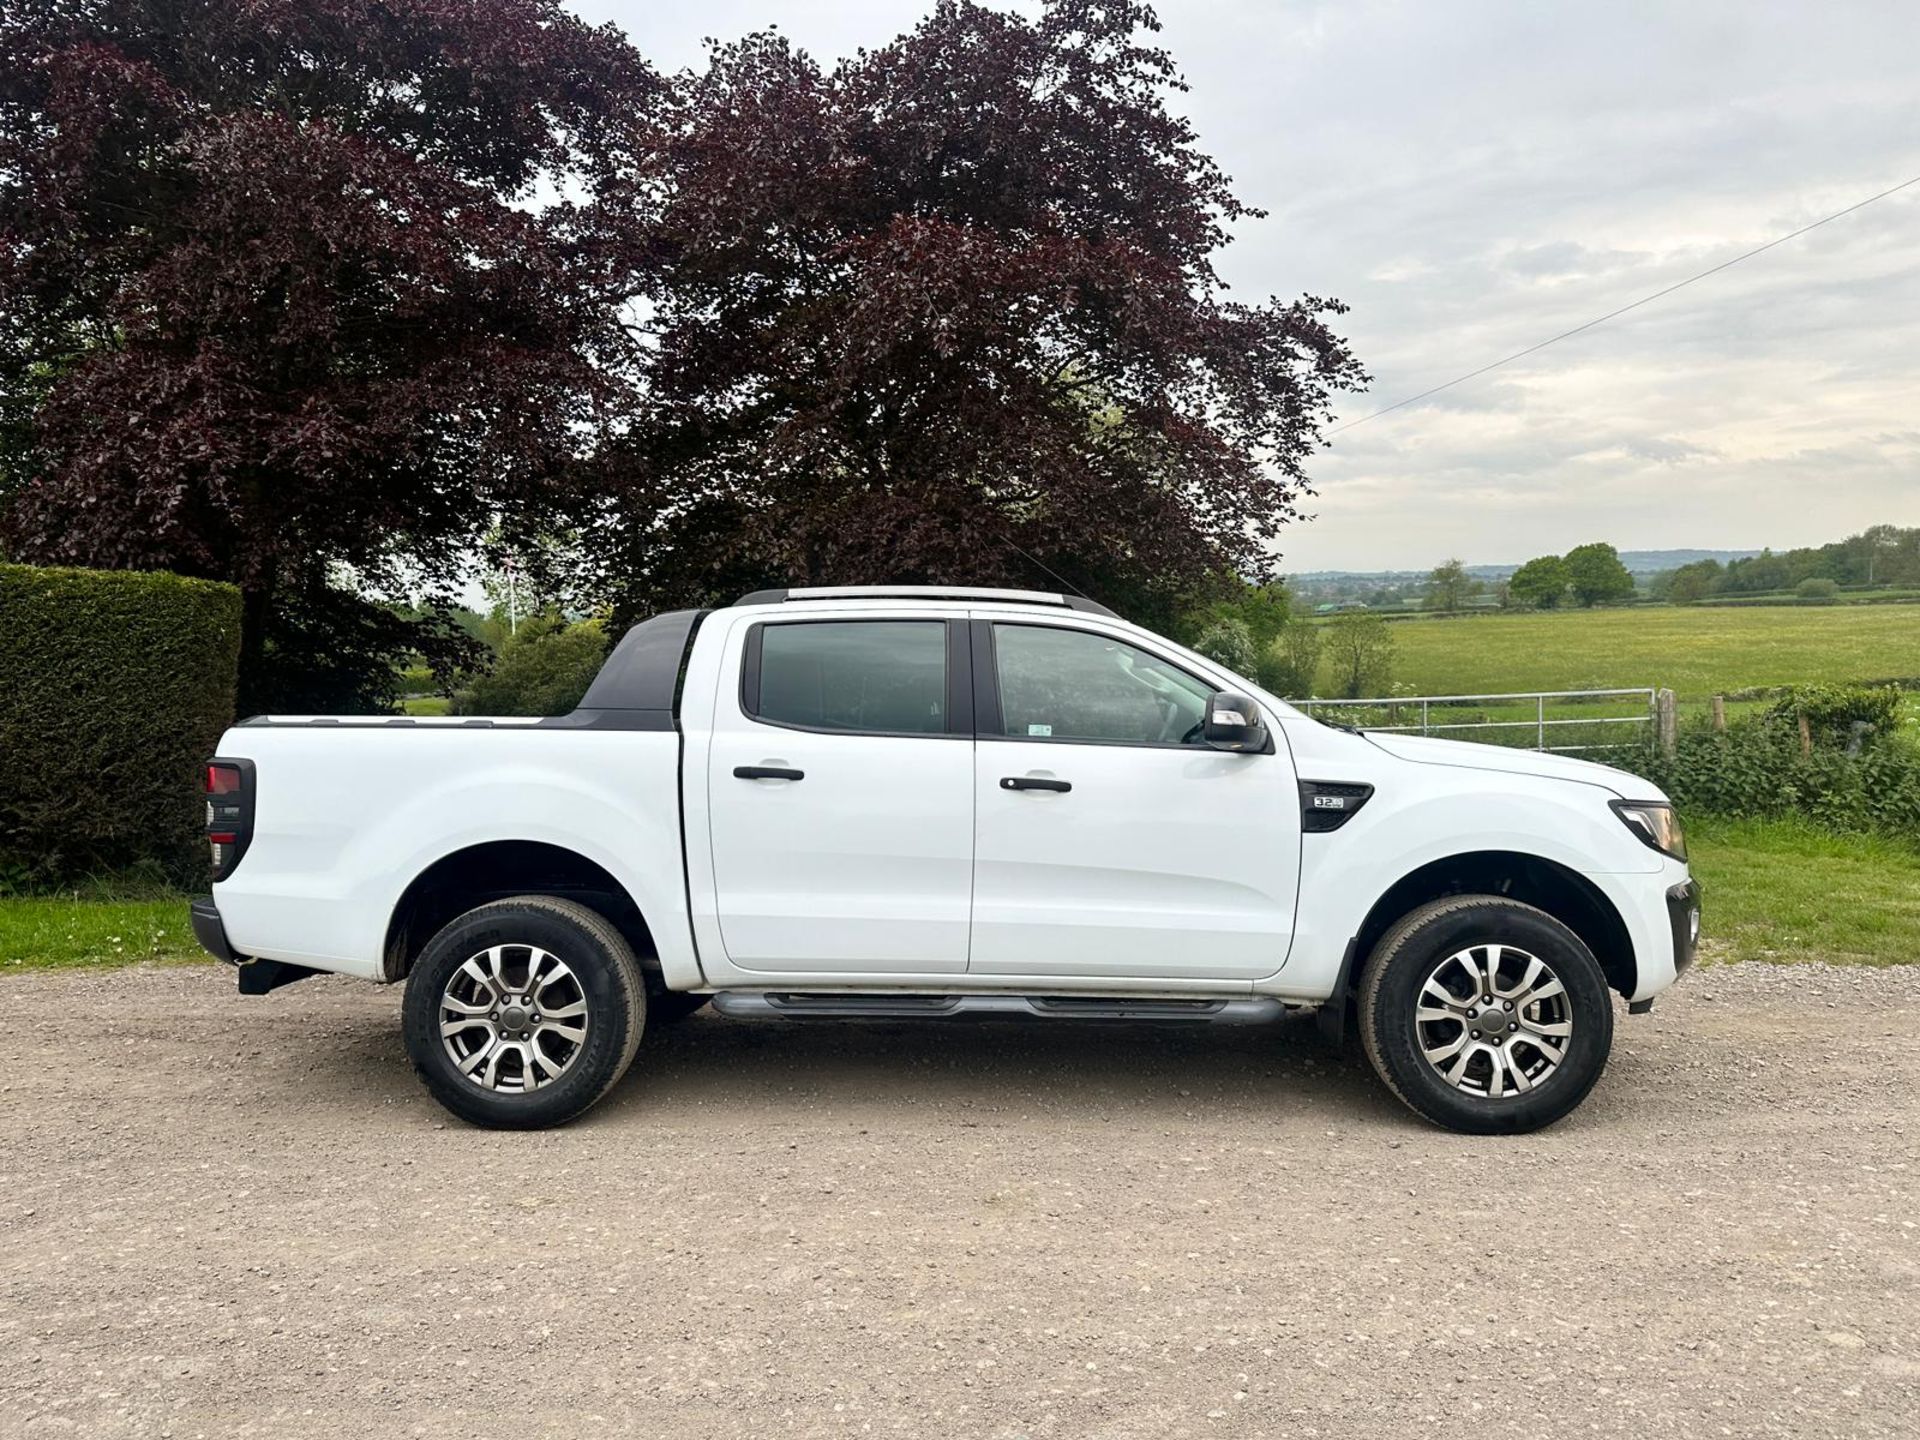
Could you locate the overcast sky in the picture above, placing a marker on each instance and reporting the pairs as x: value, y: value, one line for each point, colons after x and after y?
x: 1472, y: 178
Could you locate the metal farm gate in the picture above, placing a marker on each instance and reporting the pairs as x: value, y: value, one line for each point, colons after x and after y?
x: 1562, y: 721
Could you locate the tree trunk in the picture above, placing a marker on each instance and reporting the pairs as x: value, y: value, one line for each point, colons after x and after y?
x: 256, y: 605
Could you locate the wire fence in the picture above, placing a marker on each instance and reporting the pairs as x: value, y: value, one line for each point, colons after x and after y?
x: 1561, y: 721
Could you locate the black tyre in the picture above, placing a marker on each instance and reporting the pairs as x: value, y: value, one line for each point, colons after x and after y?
x: 522, y: 1013
x: 1485, y: 1015
x: 665, y: 1007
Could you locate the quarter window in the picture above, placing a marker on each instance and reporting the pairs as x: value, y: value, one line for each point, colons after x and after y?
x: 875, y: 676
x: 1078, y: 685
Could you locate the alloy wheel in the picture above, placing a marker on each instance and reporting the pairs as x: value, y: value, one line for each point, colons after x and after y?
x: 1494, y: 1021
x: 513, y: 1018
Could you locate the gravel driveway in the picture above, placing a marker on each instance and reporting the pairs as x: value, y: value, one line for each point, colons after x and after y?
x: 232, y: 1217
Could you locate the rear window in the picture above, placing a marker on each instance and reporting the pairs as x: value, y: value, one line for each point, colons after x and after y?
x: 871, y: 676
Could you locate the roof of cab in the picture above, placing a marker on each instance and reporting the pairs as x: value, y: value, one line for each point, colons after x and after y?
x: 637, y: 684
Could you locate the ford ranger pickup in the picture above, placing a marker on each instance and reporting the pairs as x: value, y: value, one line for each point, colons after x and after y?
x: 916, y: 804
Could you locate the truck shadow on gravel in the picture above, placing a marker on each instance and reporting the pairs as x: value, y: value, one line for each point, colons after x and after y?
x: 1287, y: 1070
x: 999, y: 1067
x: 801, y: 1073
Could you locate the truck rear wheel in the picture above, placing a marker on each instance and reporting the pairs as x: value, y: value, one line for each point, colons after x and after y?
x: 1485, y: 1015
x: 522, y: 1013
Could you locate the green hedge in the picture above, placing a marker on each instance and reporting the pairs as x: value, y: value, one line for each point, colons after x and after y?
x: 114, y: 688
x: 1757, y: 770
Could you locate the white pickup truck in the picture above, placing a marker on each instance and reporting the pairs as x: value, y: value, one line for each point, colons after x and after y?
x: 918, y: 804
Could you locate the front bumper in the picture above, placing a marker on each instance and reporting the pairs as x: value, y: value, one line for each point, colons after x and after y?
x: 1683, y: 918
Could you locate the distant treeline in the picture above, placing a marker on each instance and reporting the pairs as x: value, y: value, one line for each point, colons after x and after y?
x: 1881, y: 555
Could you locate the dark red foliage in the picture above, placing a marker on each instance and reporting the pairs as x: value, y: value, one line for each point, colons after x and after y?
x: 271, y: 279
x: 951, y: 301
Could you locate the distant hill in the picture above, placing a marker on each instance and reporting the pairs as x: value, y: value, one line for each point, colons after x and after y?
x: 1638, y: 562
x: 1652, y: 562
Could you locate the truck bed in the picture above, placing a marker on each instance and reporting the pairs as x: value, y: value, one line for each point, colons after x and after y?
x: 350, y: 810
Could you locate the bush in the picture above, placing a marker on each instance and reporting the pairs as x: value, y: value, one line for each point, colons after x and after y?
x: 1291, y: 661
x: 1833, y: 711
x: 1262, y: 609
x: 1359, y: 651
x: 1757, y: 770
x: 544, y: 669
x: 1229, y: 642
x: 114, y: 688
x: 1816, y: 588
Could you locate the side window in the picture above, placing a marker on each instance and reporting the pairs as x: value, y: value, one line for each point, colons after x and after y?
x: 1076, y: 685
x: 857, y: 675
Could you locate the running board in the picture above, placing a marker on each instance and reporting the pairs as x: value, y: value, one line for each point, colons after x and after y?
x: 765, y: 1005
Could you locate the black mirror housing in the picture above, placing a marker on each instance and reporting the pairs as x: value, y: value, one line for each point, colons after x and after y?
x: 1233, y: 723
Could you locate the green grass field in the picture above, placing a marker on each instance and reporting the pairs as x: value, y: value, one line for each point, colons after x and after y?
x: 1776, y: 891
x: 1695, y: 652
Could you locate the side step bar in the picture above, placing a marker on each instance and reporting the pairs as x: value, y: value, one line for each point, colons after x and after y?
x: 766, y: 1005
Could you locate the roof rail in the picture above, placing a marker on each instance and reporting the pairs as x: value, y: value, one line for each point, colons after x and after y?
x: 925, y: 592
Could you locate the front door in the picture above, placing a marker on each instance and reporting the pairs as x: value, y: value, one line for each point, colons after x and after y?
x: 840, y: 798
x: 1108, y: 839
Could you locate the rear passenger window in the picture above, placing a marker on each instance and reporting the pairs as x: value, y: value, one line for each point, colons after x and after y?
x: 876, y: 676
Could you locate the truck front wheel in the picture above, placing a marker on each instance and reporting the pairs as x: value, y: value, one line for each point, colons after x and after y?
x: 1485, y: 1015
x: 522, y: 1013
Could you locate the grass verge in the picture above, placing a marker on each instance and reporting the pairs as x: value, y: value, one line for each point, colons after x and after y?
x: 60, y: 932
x: 1785, y: 890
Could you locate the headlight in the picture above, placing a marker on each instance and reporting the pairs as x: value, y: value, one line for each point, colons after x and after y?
x: 1655, y: 823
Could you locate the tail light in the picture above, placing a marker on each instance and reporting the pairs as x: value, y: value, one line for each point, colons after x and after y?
x: 229, y: 813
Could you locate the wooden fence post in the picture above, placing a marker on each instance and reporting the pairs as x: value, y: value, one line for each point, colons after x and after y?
x: 1720, y: 714
x: 1667, y: 721
x: 1806, y: 735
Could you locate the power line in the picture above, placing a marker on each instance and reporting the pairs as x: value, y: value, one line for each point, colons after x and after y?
x: 1615, y: 314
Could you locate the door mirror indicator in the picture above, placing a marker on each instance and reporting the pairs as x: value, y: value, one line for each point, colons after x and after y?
x: 1233, y: 723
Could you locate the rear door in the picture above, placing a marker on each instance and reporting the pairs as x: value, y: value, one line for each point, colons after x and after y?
x: 1109, y: 840
x: 840, y: 796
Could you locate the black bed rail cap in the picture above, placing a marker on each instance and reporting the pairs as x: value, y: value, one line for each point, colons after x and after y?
x: 643, y: 672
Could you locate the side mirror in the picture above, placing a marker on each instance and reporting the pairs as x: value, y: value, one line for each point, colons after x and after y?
x: 1233, y: 723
